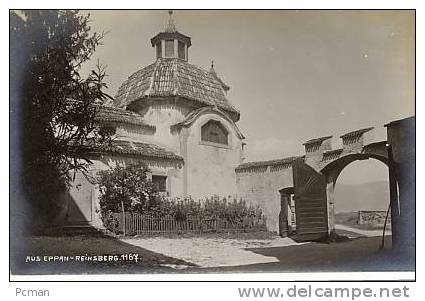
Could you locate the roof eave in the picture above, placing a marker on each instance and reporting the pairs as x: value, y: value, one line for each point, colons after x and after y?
x: 171, y: 35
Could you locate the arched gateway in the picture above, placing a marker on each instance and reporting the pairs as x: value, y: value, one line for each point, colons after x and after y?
x: 300, y: 190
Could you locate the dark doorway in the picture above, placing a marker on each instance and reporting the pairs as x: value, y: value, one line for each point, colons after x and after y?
x: 287, y: 225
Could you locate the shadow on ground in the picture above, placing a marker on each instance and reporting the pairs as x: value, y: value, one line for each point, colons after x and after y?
x: 36, y: 248
x: 355, y: 255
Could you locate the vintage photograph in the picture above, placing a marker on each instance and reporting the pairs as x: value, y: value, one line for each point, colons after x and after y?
x: 212, y: 141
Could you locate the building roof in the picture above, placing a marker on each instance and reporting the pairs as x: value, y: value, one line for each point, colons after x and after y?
x: 111, y: 114
x: 332, y: 154
x: 139, y: 149
x: 175, y: 77
x: 317, y: 140
x: 104, y: 113
x: 171, y: 36
x: 223, y: 84
x: 357, y: 132
x: 257, y: 164
x: 407, y: 119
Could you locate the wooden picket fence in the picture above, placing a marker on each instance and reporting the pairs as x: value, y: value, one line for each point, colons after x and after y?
x: 135, y: 223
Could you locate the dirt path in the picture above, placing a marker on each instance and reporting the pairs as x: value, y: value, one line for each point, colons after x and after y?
x: 368, y: 233
x: 211, y: 252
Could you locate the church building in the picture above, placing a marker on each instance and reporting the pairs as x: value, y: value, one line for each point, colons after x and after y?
x: 175, y: 117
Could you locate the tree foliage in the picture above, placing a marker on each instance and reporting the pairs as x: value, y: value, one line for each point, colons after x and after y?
x: 52, y: 103
x: 127, y: 186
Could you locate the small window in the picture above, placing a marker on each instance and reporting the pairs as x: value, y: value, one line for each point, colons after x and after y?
x: 169, y: 48
x: 160, y: 183
x: 214, y: 131
x: 181, y: 51
x: 158, y: 50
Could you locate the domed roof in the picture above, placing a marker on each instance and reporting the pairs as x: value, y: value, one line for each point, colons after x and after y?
x: 175, y: 77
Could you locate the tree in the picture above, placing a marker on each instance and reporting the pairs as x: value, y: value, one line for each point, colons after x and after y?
x: 52, y: 105
x: 128, y: 187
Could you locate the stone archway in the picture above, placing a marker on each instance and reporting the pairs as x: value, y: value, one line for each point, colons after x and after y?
x: 333, y: 170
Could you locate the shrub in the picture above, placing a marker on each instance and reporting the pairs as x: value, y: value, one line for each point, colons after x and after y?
x: 127, y: 186
x: 232, y: 209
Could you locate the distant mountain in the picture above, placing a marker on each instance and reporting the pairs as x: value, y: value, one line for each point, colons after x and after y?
x: 367, y: 196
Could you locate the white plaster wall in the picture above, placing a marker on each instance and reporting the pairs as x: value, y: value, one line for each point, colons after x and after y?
x: 173, y: 170
x: 162, y: 116
x: 211, y: 169
x: 261, y: 187
x: 134, y: 133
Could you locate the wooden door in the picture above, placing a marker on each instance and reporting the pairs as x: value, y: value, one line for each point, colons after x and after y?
x: 310, y: 202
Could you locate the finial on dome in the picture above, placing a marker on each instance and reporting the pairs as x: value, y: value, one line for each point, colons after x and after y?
x: 212, y: 71
x: 170, y: 26
x: 212, y: 67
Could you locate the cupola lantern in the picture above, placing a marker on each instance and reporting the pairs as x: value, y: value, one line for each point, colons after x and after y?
x: 170, y: 43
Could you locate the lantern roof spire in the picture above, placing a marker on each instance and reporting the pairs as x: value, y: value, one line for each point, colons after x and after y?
x: 170, y: 26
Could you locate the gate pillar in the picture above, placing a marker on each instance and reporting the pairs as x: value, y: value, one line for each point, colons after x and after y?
x: 330, y: 200
x: 285, y: 199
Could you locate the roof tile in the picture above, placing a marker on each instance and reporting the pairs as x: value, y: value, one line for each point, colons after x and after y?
x: 257, y: 164
x: 174, y: 77
x: 356, y: 132
x: 138, y: 149
x: 111, y: 114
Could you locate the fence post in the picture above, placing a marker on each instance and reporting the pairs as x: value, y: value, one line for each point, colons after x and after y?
x: 123, y: 217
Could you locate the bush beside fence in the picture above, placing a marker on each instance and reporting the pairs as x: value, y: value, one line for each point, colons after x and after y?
x: 135, y: 223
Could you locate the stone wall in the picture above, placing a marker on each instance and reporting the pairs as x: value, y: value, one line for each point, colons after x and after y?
x: 261, y: 185
x: 373, y: 218
x: 402, y: 139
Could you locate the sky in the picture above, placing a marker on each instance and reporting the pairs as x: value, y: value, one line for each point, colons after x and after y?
x: 294, y: 75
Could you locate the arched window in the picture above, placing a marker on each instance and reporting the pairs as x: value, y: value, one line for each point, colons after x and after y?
x: 214, y: 131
